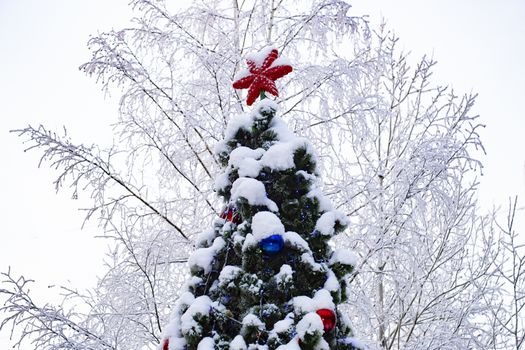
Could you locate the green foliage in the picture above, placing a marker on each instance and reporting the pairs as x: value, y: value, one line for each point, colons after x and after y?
x: 256, y: 291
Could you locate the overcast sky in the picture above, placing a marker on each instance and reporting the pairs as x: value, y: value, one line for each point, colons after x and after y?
x: 479, y: 46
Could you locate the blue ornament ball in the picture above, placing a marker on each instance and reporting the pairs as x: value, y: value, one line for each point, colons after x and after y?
x: 272, y: 245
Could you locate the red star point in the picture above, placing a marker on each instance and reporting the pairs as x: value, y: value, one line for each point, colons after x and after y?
x: 261, y: 77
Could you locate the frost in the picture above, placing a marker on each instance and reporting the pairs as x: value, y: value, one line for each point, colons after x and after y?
x: 343, y: 257
x: 265, y: 224
x: 203, y: 258
x: 326, y: 223
x: 206, y: 344
x: 238, y: 343
x: 253, y: 191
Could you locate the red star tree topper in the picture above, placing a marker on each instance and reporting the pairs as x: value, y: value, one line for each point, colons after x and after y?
x: 264, y: 67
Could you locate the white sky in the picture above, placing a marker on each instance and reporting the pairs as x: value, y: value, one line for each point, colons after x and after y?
x: 479, y: 46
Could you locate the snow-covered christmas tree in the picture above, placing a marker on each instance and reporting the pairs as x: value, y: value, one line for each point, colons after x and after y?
x: 265, y: 275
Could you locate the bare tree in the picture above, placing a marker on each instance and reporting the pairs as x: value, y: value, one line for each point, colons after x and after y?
x: 399, y: 155
x: 505, y: 323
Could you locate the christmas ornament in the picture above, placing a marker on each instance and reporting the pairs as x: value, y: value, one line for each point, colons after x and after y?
x: 166, y: 344
x: 231, y: 214
x: 272, y: 245
x: 261, y: 78
x: 328, y: 318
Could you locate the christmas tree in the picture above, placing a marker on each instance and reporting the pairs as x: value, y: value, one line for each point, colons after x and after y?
x: 265, y: 275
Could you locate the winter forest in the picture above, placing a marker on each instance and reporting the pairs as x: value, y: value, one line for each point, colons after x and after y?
x: 341, y: 214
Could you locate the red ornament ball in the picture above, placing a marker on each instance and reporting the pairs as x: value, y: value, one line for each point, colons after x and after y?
x: 328, y: 317
x: 166, y: 344
x: 231, y: 214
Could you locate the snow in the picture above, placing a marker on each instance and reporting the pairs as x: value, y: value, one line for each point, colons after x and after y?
x: 193, y: 281
x: 281, y: 61
x: 257, y: 347
x: 249, y: 241
x: 259, y: 56
x: 280, y: 128
x: 291, y: 345
x: 322, y: 345
x: 251, y: 320
x: 284, y: 325
x: 293, y: 239
x: 229, y: 273
x: 245, y: 160
x: 331, y: 284
x: 280, y: 156
x: 321, y: 300
x: 267, y: 105
x: 343, y: 257
x: 355, y: 342
x: 253, y: 191
x: 237, y: 238
x: 203, y: 258
x: 221, y: 181
x: 243, y: 121
x: 311, y: 323
x: 244, y: 152
x: 265, y: 224
x: 206, y: 344
x: 306, y: 175
x: 243, y: 73
x: 238, y: 343
x: 307, y: 258
x: 200, y: 306
x: 205, y: 237
x: 178, y: 343
x: 326, y: 223
x: 324, y: 203
x: 285, y: 274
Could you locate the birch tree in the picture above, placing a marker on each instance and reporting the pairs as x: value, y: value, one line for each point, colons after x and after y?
x: 399, y: 154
